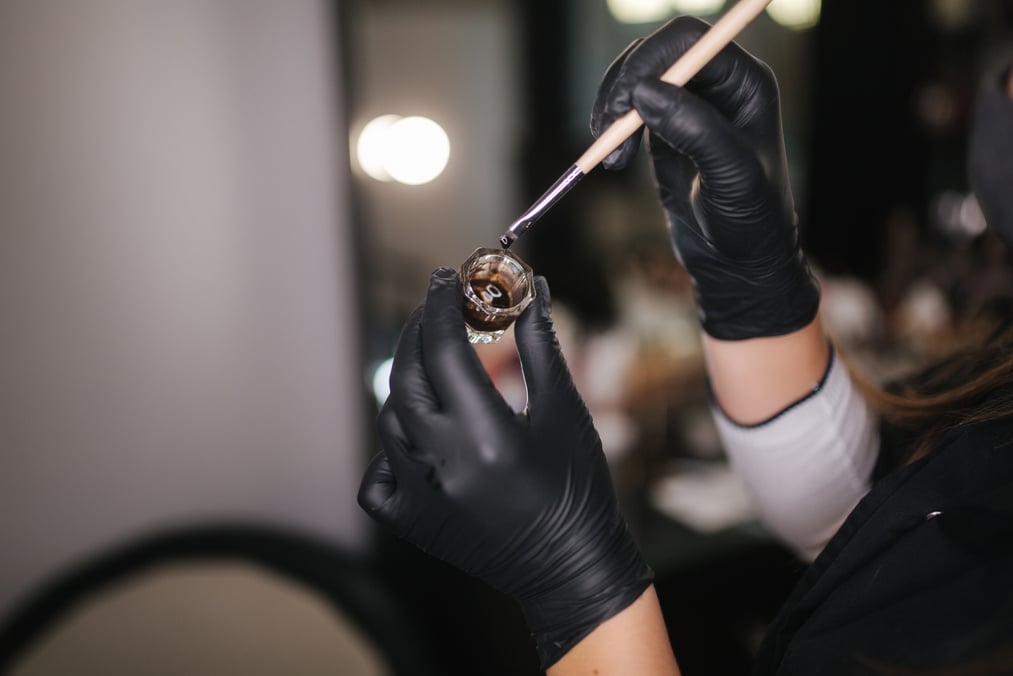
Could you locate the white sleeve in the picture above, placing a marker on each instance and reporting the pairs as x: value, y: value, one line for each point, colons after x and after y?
x: 807, y: 467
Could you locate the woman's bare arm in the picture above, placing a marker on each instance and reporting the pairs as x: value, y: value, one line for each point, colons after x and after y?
x: 633, y: 642
x: 754, y: 379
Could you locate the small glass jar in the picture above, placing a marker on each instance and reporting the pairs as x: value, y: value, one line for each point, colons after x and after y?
x: 498, y: 285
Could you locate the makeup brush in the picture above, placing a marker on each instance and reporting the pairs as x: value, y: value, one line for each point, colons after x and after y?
x: 682, y: 71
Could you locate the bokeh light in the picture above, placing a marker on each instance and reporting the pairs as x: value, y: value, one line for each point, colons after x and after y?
x: 411, y: 150
x: 372, y: 147
x: 381, y: 380
x: 697, y: 7
x: 795, y: 14
x: 640, y: 11
x: 651, y: 11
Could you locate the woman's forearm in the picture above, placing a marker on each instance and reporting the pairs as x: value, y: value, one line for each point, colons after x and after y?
x: 797, y: 431
x: 755, y: 379
x: 633, y: 642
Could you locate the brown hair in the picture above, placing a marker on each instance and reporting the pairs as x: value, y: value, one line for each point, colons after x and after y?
x: 971, y: 385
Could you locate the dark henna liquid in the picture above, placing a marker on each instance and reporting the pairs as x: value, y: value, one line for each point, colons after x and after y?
x: 494, y: 291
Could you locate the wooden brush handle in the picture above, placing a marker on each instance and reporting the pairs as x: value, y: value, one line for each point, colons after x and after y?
x: 682, y: 71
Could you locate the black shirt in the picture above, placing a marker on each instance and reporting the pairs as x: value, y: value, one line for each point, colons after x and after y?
x: 919, y: 577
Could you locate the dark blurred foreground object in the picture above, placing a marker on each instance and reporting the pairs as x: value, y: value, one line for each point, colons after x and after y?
x: 216, y: 600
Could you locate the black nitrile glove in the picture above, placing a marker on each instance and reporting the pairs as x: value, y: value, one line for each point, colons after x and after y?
x: 719, y: 164
x: 525, y: 501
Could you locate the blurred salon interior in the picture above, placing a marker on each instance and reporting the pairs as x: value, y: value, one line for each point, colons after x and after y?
x: 215, y: 217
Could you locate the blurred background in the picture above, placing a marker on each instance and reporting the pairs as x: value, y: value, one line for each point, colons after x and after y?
x: 215, y: 216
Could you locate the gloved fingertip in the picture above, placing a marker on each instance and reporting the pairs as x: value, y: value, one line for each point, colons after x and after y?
x: 443, y: 272
x: 621, y: 157
x: 610, y: 93
x: 443, y: 281
x: 615, y: 161
x: 542, y: 293
x: 377, y: 485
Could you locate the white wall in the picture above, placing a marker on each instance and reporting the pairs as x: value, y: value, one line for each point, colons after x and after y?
x: 177, y: 338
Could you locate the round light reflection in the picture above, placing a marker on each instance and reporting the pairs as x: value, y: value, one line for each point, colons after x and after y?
x: 373, y: 146
x: 639, y: 11
x: 422, y: 150
x: 697, y: 7
x: 381, y: 380
x: 411, y: 150
x: 795, y: 14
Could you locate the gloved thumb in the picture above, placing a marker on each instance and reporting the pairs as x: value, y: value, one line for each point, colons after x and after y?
x: 541, y: 358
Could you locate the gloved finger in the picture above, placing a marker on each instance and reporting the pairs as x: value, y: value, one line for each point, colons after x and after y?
x: 542, y: 363
x: 413, y: 404
x: 729, y: 81
x: 410, y: 390
x: 409, y: 461
x: 376, y: 489
x: 458, y: 378
x: 612, y: 102
x: 728, y: 166
x: 674, y: 178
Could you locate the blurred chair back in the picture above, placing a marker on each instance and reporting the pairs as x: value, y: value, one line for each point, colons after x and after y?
x: 219, y: 600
